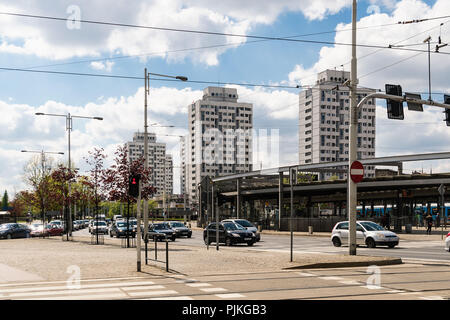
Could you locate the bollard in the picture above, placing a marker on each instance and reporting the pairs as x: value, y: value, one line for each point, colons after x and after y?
x: 310, y: 230
x: 156, y: 248
x: 167, y: 255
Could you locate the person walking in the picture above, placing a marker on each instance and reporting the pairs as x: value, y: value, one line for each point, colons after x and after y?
x: 429, y: 220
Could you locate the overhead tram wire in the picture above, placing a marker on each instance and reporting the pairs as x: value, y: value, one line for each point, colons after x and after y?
x: 223, y: 34
x: 153, y: 79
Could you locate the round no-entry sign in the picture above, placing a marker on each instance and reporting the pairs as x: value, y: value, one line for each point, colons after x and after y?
x: 356, y: 171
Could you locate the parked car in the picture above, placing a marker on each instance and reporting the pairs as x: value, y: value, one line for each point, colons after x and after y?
x: 247, y: 225
x: 54, y: 230
x: 180, y: 229
x: 119, y: 229
x: 37, y: 230
x: 14, y: 230
x: 447, y: 242
x: 367, y: 233
x: 58, y: 222
x: 99, y: 227
x: 76, y: 225
x: 229, y: 233
x: 160, y: 231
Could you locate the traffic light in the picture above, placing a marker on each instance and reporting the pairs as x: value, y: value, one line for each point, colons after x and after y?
x: 394, y: 108
x: 133, y: 186
x: 447, y: 111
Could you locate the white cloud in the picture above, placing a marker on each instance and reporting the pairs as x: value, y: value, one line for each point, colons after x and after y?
x: 55, y: 40
x: 411, y: 73
x: 106, y: 66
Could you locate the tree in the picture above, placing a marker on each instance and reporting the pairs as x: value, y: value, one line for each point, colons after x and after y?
x: 95, y: 181
x: 37, y: 175
x: 61, y: 177
x: 5, y: 201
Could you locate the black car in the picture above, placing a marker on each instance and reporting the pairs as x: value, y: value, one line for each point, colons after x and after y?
x: 120, y: 229
x: 229, y: 233
x: 14, y: 230
x: 180, y: 229
x: 160, y: 231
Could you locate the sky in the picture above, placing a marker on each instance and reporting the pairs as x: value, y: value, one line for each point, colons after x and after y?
x: 67, y: 45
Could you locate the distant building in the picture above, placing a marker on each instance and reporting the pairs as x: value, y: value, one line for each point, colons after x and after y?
x: 385, y: 173
x: 219, y: 140
x: 160, y: 163
x: 324, y: 122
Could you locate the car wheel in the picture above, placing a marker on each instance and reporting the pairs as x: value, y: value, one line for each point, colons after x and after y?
x: 228, y: 242
x: 189, y: 236
x: 8, y: 236
x: 370, y: 243
x: 111, y: 235
x: 173, y: 238
x: 337, y: 242
x: 250, y: 243
x: 391, y: 246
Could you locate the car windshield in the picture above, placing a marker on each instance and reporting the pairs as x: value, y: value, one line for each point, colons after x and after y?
x: 100, y: 223
x: 177, y: 224
x: 5, y: 226
x: 121, y: 225
x: 371, y: 226
x: 244, y: 223
x: 232, y: 226
x: 160, y: 226
x: 36, y: 226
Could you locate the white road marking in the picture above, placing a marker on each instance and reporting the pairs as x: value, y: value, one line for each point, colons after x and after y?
x: 395, y: 291
x: 171, y: 298
x: 305, y: 274
x: 432, y: 298
x: 331, y: 278
x: 119, y: 295
x: 195, y: 285
x: 351, y: 282
x: 83, y: 286
x: 64, y: 281
x: 152, y: 293
x: 64, y: 292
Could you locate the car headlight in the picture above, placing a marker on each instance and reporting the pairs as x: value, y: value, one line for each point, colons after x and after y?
x: 235, y: 235
x: 381, y: 236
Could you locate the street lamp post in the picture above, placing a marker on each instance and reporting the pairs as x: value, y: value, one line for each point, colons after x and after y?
x: 146, y: 93
x: 69, y: 129
x: 43, y: 177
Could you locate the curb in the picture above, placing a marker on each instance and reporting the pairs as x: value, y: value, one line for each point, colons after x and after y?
x: 325, y: 265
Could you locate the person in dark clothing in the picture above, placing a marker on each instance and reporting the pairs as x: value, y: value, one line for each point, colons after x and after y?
x: 388, y: 220
x: 429, y: 220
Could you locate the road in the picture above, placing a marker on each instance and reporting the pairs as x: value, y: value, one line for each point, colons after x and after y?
x: 400, y: 282
x: 415, y: 250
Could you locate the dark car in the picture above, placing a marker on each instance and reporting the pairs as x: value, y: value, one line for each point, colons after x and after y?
x: 120, y: 229
x: 160, y: 231
x: 14, y: 230
x: 229, y: 233
x: 180, y: 229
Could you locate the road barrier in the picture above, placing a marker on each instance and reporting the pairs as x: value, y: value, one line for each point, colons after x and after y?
x: 97, y: 239
x: 155, y: 240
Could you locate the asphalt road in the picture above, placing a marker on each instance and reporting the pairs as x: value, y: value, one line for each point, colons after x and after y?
x: 415, y: 250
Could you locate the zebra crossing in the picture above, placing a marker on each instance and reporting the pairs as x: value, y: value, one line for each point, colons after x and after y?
x: 139, y: 288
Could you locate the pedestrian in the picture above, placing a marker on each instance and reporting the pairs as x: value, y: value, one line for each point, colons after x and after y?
x: 388, y: 222
x: 429, y: 220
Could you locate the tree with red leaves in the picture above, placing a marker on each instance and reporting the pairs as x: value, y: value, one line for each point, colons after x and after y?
x: 61, y: 178
x: 95, y: 183
x: 116, y: 178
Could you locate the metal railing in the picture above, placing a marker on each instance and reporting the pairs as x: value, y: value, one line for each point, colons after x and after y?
x: 155, y: 240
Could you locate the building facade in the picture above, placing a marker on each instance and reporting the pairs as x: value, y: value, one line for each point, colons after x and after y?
x: 324, y: 122
x: 160, y: 163
x: 219, y: 140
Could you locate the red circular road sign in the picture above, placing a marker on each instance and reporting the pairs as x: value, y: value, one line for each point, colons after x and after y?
x: 356, y: 171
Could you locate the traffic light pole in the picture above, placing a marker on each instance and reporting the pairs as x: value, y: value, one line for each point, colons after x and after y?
x: 351, y: 185
x: 352, y: 190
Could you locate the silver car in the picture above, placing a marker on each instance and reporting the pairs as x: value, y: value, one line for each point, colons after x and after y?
x: 247, y: 225
x: 367, y: 233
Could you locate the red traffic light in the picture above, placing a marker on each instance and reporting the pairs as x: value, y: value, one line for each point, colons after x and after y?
x: 133, y: 181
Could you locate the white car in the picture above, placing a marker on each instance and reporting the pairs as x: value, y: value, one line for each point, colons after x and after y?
x: 247, y: 225
x: 99, y: 227
x: 447, y: 242
x: 367, y: 233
